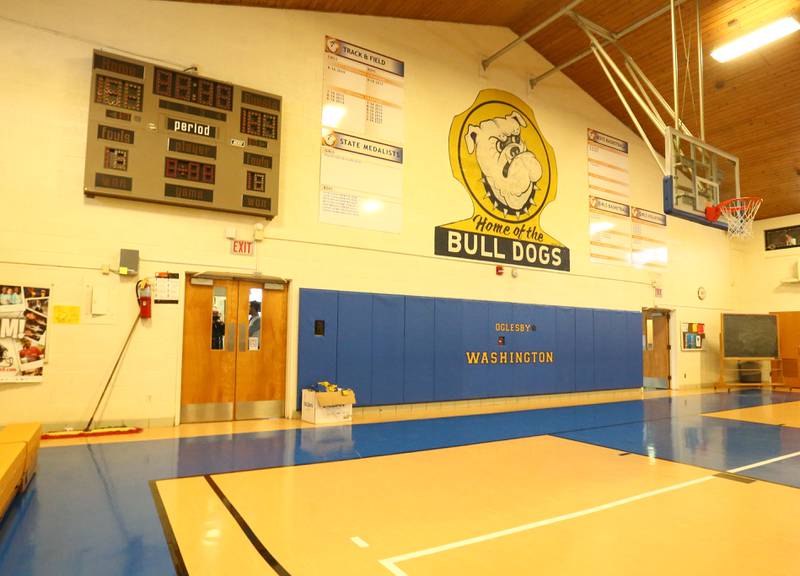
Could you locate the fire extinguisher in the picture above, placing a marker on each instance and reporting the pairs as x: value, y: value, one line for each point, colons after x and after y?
x: 143, y: 296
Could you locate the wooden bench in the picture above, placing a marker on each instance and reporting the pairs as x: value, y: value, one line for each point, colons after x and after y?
x: 12, y: 470
x: 19, y: 450
x: 30, y: 434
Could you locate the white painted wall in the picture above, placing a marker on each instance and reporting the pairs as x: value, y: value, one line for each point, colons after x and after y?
x: 761, y: 272
x: 52, y: 235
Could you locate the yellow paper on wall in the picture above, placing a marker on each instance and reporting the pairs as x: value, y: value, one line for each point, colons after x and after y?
x: 66, y: 314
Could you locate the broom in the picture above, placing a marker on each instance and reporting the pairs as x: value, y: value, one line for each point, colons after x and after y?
x: 106, y: 431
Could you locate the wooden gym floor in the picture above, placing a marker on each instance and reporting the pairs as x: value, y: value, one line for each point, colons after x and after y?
x: 689, y: 484
x: 541, y: 505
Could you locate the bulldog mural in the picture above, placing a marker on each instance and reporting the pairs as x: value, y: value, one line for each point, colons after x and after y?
x: 499, y: 155
x: 510, y: 171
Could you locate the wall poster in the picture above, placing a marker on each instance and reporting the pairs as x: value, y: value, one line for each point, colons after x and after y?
x: 501, y: 158
x: 620, y: 233
x: 648, y: 239
x: 361, y: 161
x: 168, y: 288
x: 23, y: 332
x: 692, y: 335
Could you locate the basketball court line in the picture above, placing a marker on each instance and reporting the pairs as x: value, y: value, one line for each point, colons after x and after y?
x: 208, y: 538
x: 779, y: 414
x: 512, y: 436
x: 251, y: 536
x: 256, y: 543
x: 554, y: 432
x: 332, y: 536
x: 169, y: 533
x: 391, y: 563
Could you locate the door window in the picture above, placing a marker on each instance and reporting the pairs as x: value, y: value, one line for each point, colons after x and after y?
x: 219, y: 305
x: 254, y: 319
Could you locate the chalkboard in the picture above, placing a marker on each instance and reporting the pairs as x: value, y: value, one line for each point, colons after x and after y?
x: 750, y: 335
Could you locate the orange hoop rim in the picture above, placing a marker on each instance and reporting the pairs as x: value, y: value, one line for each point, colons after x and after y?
x: 740, y: 204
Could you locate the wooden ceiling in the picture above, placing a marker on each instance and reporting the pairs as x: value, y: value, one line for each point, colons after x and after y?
x: 752, y: 104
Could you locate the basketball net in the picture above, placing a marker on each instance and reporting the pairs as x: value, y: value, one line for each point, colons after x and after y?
x: 739, y: 214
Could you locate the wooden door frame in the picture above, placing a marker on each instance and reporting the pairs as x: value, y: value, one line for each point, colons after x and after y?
x: 671, y: 356
x: 291, y: 330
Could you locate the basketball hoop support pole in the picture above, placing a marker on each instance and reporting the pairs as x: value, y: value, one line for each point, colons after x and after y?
x: 676, y: 112
x: 538, y: 28
x: 680, y: 199
x: 587, y: 28
x: 641, y: 80
x: 619, y: 35
x: 608, y: 65
x: 630, y: 112
x: 700, y: 74
x: 637, y: 71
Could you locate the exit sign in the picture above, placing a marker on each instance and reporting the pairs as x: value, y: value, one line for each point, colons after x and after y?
x: 242, y: 247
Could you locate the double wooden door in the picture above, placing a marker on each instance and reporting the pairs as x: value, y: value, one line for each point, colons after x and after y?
x: 234, y: 350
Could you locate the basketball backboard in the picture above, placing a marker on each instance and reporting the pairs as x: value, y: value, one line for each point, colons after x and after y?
x: 698, y: 176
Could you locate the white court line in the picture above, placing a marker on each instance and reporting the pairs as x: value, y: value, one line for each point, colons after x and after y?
x: 391, y: 563
x: 763, y: 463
x: 359, y: 542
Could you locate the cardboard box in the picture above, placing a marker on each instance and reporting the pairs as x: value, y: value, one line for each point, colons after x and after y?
x: 326, y: 407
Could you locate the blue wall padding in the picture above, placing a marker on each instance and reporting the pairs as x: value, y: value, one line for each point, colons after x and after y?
x: 474, y: 336
x: 604, y: 342
x: 565, y: 344
x: 388, y: 354
x: 420, y: 332
x: 448, y: 363
x: 584, y: 349
x: 317, y: 354
x: 408, y: 349
x: 633, y: 340
x: 354, y: 345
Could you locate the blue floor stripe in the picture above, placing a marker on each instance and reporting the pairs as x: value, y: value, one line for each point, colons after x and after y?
x: 89, y: 510
x: 784, y: 472
x: 713, y: 443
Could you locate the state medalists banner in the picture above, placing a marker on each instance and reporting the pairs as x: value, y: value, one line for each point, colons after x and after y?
x: 361, y: 157
x: 508, y: 169
x: 23, y: 332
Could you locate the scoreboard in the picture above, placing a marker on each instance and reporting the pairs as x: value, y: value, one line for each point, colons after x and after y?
x: 166, y: 136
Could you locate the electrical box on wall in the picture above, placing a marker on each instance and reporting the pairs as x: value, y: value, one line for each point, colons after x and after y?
x: 128, y: 262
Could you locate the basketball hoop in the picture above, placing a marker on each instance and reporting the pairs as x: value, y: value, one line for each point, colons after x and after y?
x: 739, y: 214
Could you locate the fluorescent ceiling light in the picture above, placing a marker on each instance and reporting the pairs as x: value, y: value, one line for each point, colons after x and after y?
x: 756, y: 39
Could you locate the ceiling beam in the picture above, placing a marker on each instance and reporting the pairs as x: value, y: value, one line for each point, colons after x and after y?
x: 621, y: 34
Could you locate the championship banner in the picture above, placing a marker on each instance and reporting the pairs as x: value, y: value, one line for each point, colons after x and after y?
x: 508, y: 169
x: 363, y: 125
x: 23, y: 332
